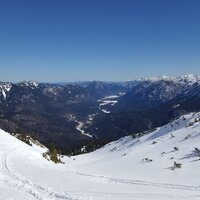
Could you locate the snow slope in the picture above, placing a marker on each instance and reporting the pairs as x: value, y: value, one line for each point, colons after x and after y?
x: 130, y: 168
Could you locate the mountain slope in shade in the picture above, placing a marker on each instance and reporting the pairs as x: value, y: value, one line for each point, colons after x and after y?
x: 94, y: 113
x: 130, y: 168
x: 152, y: 92
x: 150, y: 103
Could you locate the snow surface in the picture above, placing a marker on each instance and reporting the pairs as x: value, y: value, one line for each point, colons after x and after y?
x: 130, y: 168
x: 31, y: 84
x: 5, y: 88
x: 108, y: 100
x: 189, y: 78
x: 80, y: 127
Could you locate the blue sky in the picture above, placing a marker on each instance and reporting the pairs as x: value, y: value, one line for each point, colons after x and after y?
x: 70, y: 40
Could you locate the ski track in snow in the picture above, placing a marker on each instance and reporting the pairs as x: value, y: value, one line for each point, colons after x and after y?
x: 44, y: 193
x: 143, y: 183
x: 21, y: 184
x: 106, y: 195
x: 113, y: 186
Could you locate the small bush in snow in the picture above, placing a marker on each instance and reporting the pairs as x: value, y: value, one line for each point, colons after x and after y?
x: 24, y: 138
x: 187, y: 137
x: 197, y: 151
x: 172, y: 136
x: 52, y: 154
x: 177, y: 165
x: 190, y: 124
x: 176, y: 149
x: 154, y: 142
x: 147, y: 160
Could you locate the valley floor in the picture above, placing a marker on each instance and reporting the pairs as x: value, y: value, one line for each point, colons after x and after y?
x: 141, y: 168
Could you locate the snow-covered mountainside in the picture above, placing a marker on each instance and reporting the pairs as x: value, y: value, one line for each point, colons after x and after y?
x: 154, y: 91
x: 150, y: 103
x: 161, y: 164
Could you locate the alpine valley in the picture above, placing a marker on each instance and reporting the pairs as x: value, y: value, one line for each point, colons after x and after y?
x: 97, y: 140
x: 91, y: 114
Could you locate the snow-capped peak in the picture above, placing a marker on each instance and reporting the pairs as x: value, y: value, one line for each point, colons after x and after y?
x: 32, y: 84
x: 5, y: 88
x: 188, y: 78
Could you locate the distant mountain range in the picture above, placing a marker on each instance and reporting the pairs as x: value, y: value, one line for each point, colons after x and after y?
x: 93, y: 113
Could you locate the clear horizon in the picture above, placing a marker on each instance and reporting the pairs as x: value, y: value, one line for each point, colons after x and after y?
x: 76, y: 81
x: 105, y: 40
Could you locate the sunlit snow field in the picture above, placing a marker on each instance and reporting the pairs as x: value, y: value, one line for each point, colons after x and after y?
x: 130, y: 168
